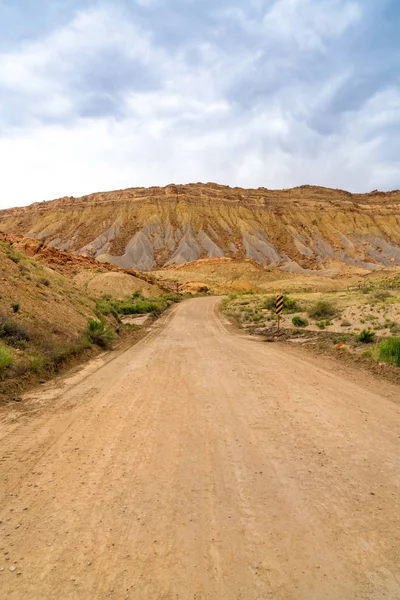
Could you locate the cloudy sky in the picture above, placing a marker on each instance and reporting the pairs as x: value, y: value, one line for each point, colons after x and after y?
x: 121, y: 93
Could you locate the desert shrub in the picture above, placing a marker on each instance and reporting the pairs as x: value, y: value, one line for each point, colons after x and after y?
x: 44, y: 281
x: 63, y: 352
x: 345, y: 324
x: 137, y: 296
x: 6, y: 358
x: 99, y: 334
x: 365, y: 337
x: 13, y: 255
x: 321, y: 324
x: 37, y: 362
x: 172, y: 297
x: 107, y: 307
x: 12, y: 331
x: 141, y: 307
x: 15, y: 307
x: 232, y: 297
x: 246, y: 315
x: 389, y: 350
x: 382, y: 295
x: 257, y: 318
x: 366, y: 289
x: 322, y: 310
x: 289, y: 305
x: 299, y: 321
x: 269, y: 303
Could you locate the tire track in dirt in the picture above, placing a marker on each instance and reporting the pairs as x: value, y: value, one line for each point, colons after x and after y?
x: 201, y: 464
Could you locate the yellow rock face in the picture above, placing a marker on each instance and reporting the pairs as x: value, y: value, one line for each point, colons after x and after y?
x: 305, y: 230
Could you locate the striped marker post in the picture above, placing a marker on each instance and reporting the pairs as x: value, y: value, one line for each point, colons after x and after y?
x: 279, y: 308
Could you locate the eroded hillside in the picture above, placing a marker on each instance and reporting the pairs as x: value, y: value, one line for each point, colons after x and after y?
x: 303, y: 230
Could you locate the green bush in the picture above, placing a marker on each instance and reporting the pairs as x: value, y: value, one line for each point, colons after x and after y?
x: 257, y: 318
x: 107, y: 307
x: 299, y: 321
x: 141, y: 307
x: 13, y: 255
x: 345, y: 324
x: 365, y: 337
x: 322, y: 310
x: 321, y: 324
x: 99, y: 334
x: 44, y: 281
x: 137, y: 296
x: 269, y: 303
x: 6, y: 358
x: 37, y: 362
x: 389, y: 350
x: 62, y: 353
x: 15, y: 307
x: 172, y: 297
x: 289, y: 305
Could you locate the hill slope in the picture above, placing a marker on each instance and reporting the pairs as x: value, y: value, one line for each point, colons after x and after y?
x: 95, y: 278
x: 306, y: 229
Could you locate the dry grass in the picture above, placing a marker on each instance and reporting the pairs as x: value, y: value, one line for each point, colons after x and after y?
x: 345, y: 318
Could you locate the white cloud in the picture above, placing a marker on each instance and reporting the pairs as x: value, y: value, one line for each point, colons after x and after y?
x: 46, y: 73
x: 308, y: 24
x: 191, y: 126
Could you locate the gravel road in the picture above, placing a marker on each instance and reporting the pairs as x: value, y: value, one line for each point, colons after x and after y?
x: 201, y: 464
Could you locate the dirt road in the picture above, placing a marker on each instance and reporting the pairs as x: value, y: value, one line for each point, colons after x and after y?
x: 201, y: 464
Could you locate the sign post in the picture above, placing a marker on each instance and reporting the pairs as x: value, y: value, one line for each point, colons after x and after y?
x: 279, y: 308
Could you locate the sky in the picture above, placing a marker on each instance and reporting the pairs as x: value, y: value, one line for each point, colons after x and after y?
x: 112, y: 94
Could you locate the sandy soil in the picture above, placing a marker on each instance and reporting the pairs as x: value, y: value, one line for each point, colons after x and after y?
x: 201, y: 464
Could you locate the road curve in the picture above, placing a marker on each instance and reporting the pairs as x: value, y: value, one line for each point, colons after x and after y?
x: 201, y: 464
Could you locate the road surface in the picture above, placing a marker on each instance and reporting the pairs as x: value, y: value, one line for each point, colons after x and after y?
x: 201, y: 464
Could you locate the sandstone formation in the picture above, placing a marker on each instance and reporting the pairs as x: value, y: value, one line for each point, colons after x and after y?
x: 308, y: 230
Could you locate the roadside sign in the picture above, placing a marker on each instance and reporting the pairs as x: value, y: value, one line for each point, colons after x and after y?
x: 279, y: 304
x: 279, y: 308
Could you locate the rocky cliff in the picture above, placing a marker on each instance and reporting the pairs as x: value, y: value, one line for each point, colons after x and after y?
x: 306, y: 229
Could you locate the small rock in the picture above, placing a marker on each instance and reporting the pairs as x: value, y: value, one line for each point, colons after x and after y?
x: 12, y: 569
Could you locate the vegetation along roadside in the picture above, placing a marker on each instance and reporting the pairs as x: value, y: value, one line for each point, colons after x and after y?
x: 360, y: 325
x: 48, y: 323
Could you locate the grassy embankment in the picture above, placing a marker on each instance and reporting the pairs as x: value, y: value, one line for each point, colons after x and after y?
x: 48, y: 323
